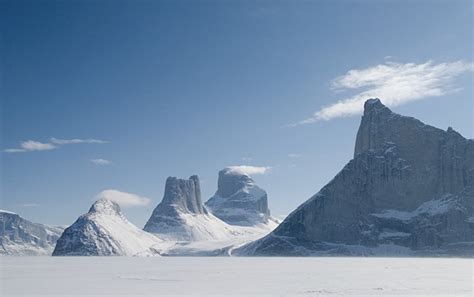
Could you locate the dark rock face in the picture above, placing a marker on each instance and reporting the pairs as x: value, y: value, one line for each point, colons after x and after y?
x: 182, y: 196
x: 238, y: 200
x: 409, y: 185
x: 22, y: 237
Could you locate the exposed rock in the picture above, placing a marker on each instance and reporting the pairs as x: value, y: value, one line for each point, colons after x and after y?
x: 104, y: 231
x: 20, y: 237
x: 181, y: 215
x: 238, y: 200
x: 409, y: 186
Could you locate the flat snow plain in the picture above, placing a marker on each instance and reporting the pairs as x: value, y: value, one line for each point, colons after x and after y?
x: 227, y: 276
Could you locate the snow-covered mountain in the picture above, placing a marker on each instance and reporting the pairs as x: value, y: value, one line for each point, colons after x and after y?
x: 20, y: 237
x: 181, y: 216
x: 239, y: 201
x: 408, y: 190
x: 104, y: 231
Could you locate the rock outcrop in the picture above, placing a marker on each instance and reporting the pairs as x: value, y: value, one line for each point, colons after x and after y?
x: 238, y: 200
x: 181, y: 215
x: 104, y: 231
x: 409, y: 190
x: 20, y: 237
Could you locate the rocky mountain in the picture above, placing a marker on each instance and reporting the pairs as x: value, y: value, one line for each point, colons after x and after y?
x: 20, y: 237
x: 238, y: 200
x: 181, y: 215
x: 409, y: 190
x: 104, y: 231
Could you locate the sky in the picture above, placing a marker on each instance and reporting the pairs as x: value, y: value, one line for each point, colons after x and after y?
x: 109, y: 98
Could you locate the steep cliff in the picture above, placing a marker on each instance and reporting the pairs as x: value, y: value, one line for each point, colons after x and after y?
x: 408, y: 190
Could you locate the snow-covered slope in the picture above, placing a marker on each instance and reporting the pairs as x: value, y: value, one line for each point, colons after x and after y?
x: 239, y: 201
x: 20, y: 237
x: 104, y: 231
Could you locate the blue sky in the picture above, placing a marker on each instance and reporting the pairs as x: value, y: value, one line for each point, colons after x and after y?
x: 153, y: 89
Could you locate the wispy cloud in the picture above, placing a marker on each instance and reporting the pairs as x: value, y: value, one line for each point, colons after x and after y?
x: 54, y: 143
x: 124, y: 199
x: 249, y: 170
x: 246, y: 159
x: 31, y: 145
x: 394, y: 83
x: 294, y: 156
x: 100, y: 161
x: 76, y: 141
x: 30, y: 205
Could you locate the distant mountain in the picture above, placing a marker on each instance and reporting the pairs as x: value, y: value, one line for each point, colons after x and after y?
x: 181, y: 215
x: 238, y: 200
x: 104, y: 231
x: 408, y: 191
x: 20, y: 237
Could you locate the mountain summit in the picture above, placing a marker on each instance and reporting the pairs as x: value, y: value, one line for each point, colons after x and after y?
x: 181, y: 215
x: 408, y: 190
x: 104, y: 231
x: 238, y: 200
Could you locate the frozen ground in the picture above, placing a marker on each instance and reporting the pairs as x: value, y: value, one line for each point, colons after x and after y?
x: 227, y: 276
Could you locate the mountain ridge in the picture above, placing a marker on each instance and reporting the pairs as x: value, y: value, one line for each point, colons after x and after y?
x: 400, y: 166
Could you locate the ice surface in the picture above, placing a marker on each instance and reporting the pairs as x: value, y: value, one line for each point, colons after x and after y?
x: 224, y: 276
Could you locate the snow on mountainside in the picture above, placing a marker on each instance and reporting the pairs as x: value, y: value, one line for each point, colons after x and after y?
x: 104, y: 231
x: 20, y: 237
x: 188, y: 228
x: 409, y: 190
x: 181, y: 216
x: 179, y: 225
x: 239, y: 201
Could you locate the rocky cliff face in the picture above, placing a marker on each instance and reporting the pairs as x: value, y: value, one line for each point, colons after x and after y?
x: 104, y: 231
x: 181, y: 215
x: 408, y: 190
x: 238, y: 200
x: 20, y: 237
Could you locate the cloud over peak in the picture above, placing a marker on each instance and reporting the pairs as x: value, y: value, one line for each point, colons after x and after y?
x: 249, y: 170
x: 123, y: 199
x: 394, y: 83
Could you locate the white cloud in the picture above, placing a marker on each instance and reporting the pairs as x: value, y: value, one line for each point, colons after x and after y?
x: 30, y: 205
x: 32, y: 145
x: 100, y: 161
x: 294, y: 156
x: 124, y: 199
x: 249, y: 170
x: 76, y: 141
x: 246, y: 158
x: 394, y: 83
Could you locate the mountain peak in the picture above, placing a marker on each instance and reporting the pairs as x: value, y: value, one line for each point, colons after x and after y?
x: 105, y: 206
x: 231, y: 181
x: 185, y: 194
x: 374, y: 104
x: 104, y: 231
x: 238, y: 200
